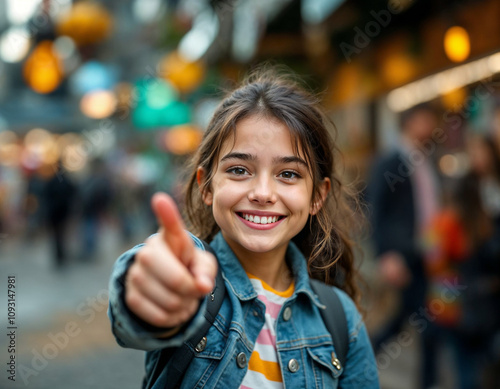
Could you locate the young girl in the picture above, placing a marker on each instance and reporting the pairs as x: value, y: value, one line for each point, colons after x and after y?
x: 263, y: 191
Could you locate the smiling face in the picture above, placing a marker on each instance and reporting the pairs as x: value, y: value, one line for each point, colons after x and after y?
x: 261, y: 190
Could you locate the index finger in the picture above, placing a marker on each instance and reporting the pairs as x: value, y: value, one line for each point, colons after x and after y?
x: 172, y: 227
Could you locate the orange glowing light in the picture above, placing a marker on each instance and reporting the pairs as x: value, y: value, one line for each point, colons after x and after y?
x: 43, y: 70
x: 88, y: 22
x: 183, y: 139
x: 398, y: 69
x: 457, y: 44
x: 184, y: 75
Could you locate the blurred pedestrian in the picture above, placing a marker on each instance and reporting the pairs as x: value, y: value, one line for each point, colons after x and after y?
x: 463, y: 262
x: 33, y: 203
x: 404, y: 195
x: 447, y: 245
x: 58, y: 199
x: 479, y: 199
x: 95, y: 197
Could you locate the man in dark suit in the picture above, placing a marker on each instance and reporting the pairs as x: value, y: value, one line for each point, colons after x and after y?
x: 403, y: 195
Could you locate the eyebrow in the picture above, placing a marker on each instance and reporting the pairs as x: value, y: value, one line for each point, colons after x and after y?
x: 236, y: 155
x: 252, y: 157
x: 290, y: 159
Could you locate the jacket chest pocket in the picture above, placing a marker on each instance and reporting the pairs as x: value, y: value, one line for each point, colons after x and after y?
x: 324, y: 373
x: 208, y: 354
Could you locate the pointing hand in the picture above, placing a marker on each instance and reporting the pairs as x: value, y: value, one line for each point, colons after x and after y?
x: 170, y: 275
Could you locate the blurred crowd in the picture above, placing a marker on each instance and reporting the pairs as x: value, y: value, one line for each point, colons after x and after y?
x: 64, y: 207
x: 437, y: 242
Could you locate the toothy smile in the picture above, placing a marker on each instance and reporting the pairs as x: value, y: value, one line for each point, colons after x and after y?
x: 269, y: 219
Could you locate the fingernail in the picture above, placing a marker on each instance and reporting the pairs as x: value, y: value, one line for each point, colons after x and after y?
x: 206, y: 281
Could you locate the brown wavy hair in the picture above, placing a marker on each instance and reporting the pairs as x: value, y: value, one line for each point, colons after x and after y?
x: 326, y: 240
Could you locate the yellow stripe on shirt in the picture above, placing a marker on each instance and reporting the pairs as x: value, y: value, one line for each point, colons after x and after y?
x: 286, y: 293
x: 271, y: 370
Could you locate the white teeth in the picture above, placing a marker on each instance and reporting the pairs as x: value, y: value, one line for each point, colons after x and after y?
x: 260, y: 219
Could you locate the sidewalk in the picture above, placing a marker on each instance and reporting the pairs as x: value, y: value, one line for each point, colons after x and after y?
x: 63, y: 337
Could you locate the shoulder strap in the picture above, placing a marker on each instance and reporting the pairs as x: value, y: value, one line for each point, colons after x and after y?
x: 334, y: 319
x: 182, y: 356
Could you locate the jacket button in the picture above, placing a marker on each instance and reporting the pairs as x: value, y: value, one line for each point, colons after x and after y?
x: 201, y: 345
x: 287, y: 313
x: 336, y: 363
x: 241, y: 360
x: 293, y: 365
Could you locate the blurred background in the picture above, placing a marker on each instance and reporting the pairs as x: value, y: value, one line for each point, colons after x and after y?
x: 102, y: 103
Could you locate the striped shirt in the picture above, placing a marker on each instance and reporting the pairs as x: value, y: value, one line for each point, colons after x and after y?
x: 263, y: 368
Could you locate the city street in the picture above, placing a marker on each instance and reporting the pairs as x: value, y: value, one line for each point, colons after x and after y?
x: 384, y: 115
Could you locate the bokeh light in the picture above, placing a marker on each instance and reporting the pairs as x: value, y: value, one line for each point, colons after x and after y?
x: 19, y: 12
x: 457, y: 44
x: 67, y: 51
x: 182, y: 140
x: 91, y: 76
x: 87, y: 22
x: 43, y: 70
x: 98, y: 104
x: 10, y: 150
x: 73, y: 155
x: 146, y: 11
x: 398, y: 69
x: 160, y: 94
x: 40, y: 147
x: 184, y: 75
x: 454, y: 165
x: 14, y: 44
x: 449, y: 165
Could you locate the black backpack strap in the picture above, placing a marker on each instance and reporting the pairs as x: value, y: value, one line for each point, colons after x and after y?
x: 183, y: 355
x: 334, y: 319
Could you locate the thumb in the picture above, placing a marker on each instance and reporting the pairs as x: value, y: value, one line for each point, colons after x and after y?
x: 172, y: 228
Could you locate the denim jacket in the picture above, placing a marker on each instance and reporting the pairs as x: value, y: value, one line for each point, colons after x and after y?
x: 304, y: 345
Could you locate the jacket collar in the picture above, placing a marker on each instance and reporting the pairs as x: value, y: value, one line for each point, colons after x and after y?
x: 238, y: 281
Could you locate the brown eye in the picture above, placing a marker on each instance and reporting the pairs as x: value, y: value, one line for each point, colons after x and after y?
x: 238, y: 171
x: 289, y: 175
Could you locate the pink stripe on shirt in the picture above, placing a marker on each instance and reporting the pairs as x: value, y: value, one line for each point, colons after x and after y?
x: 266, y: 337
x: 272, y: 309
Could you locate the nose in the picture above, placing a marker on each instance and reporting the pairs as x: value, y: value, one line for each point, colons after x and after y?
x: 263, y: 190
